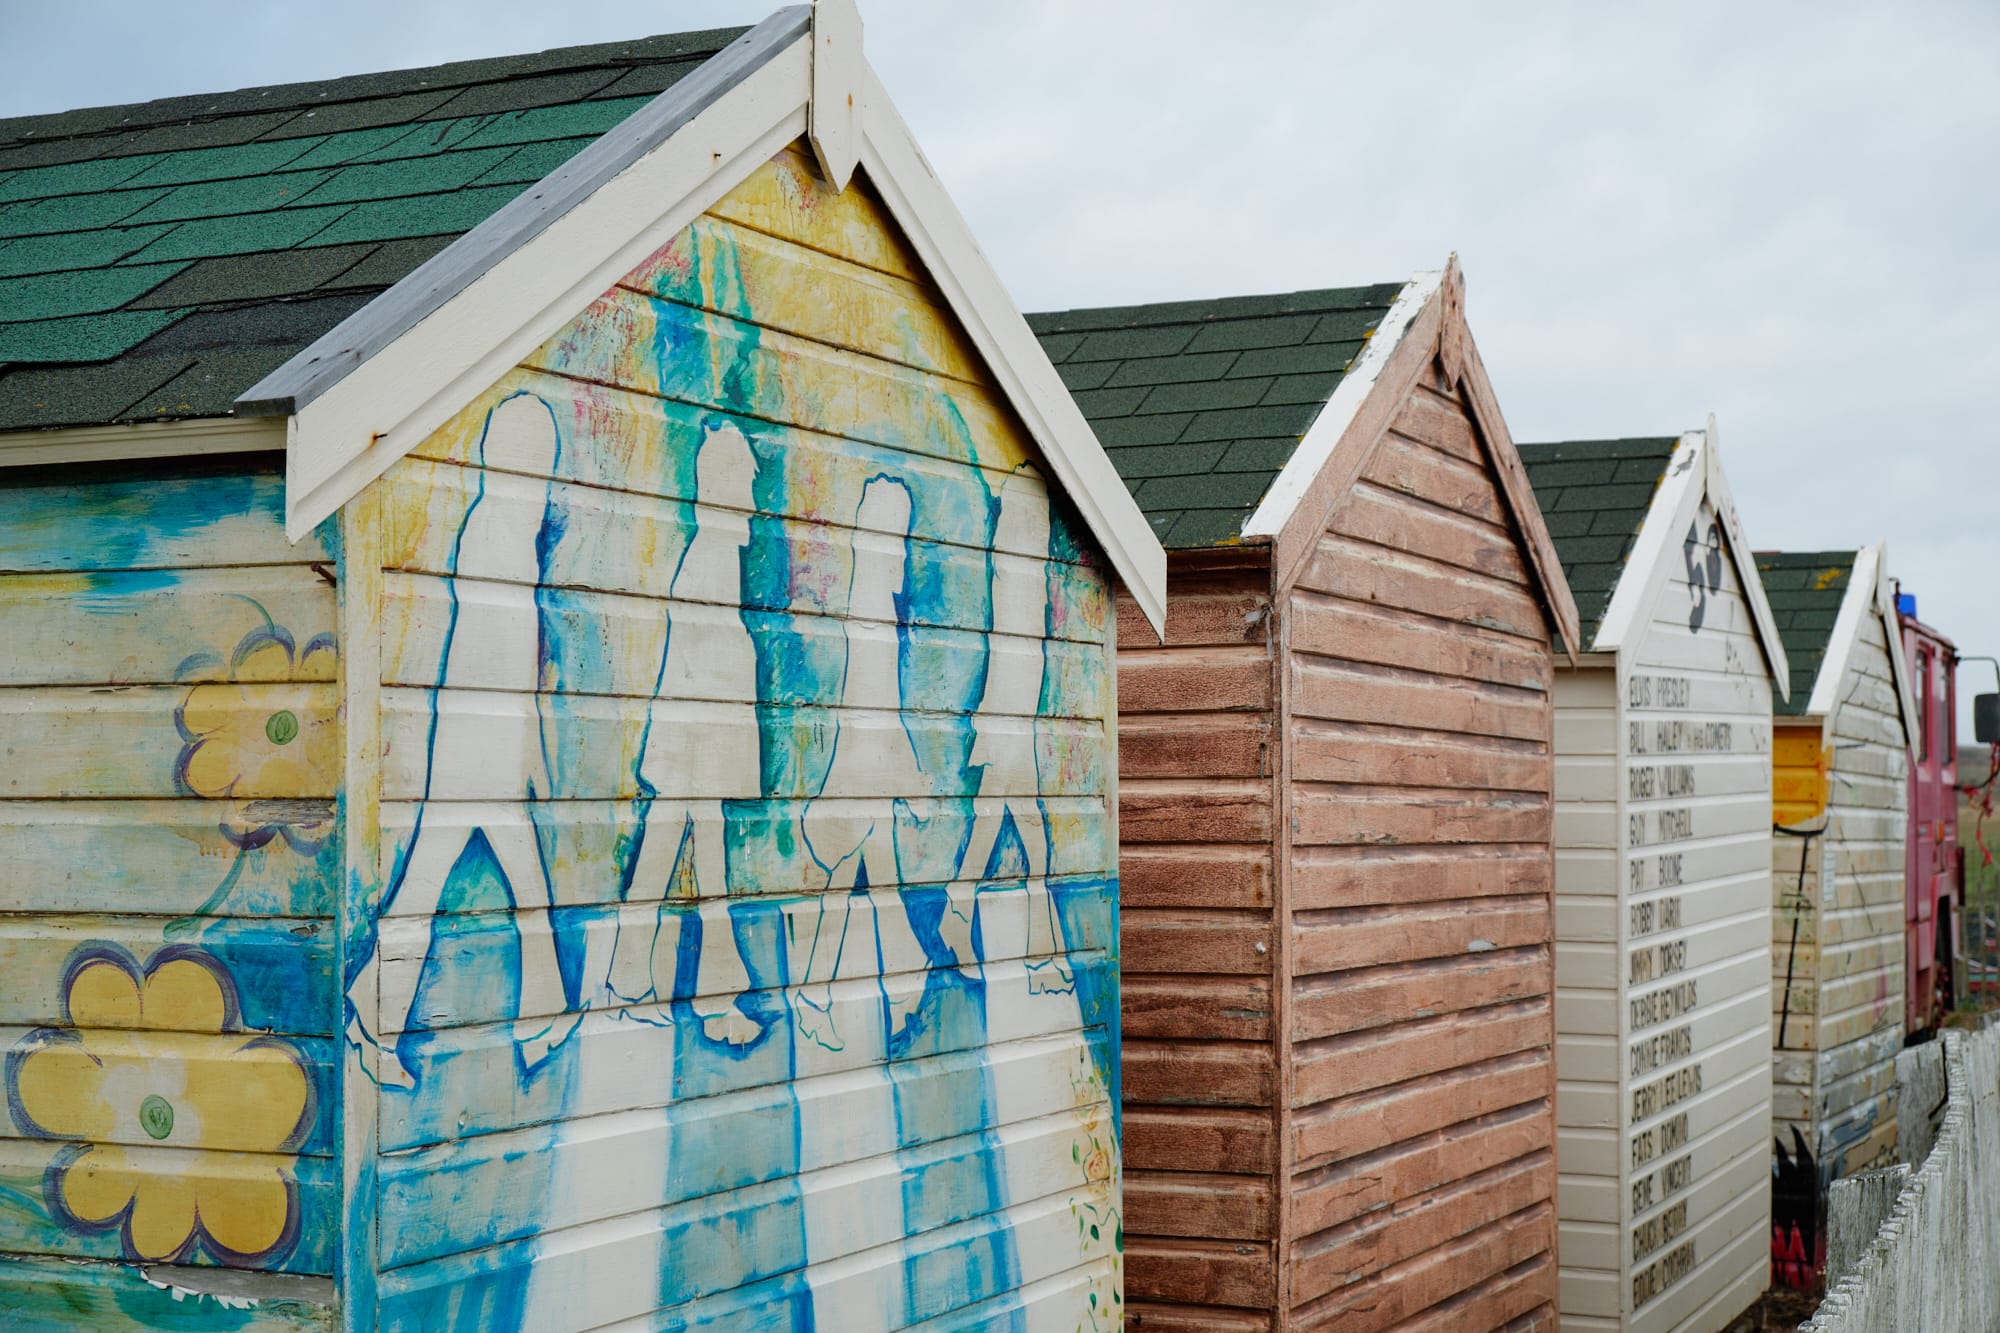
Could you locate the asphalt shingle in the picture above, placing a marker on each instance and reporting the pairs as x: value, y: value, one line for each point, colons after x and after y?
x: 1805, y: 589
x: 158, y: 259
x: 1202, y: 403
x: 1594, y: 495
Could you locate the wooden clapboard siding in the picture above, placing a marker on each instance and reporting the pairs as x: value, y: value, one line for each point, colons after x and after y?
x: 730, y: 1132
x: 171, y: 727
x: 1697, y: 863
x: 1589, y: 976
x: 1422, y: 792
x: 1859, y: 962
x: 1200, y: 949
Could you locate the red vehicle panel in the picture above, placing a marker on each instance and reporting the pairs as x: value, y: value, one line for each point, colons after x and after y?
x: 1932, y: 891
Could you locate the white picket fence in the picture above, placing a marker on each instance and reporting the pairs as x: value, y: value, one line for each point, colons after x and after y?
x: 1934, y: 1266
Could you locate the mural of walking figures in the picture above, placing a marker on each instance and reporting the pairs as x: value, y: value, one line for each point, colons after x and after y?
x: 735, y: 944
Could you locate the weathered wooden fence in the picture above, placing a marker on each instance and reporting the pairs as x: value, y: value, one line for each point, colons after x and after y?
x: 1934, y: 1266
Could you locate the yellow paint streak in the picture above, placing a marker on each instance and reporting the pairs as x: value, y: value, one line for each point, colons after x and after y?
x: 787, y: 199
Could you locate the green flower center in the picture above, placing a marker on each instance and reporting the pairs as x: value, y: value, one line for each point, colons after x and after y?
x: 281, y: 727
x: 156, y: 1116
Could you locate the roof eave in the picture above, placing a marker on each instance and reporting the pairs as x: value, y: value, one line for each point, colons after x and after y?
x: 380, y: 383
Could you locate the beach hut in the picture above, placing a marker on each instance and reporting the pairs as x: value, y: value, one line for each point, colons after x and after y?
x: 558, y: 704
x: 1335, y: 786
x: 1840, y: 756
x: 1663, y: 887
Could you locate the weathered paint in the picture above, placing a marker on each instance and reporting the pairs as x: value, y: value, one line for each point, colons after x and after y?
x: 747, y: 942
x: 655, y: 864
x: 1837, y: 988
x: 1339, y: 1076
x: 1662, y: 974
x: 168, y: 844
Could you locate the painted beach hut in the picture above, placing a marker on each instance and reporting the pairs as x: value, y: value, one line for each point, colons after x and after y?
x: 1335, y: 815
x: 1934, y: 874
x: 558, y: 703
x: 1663, y: 887
x: 1840, y: 754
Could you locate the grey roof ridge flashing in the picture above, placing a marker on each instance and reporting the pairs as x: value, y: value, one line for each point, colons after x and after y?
x: 423, y: 291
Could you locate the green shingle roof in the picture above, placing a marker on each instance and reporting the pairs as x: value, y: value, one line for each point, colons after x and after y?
x: 158, y: 259
x: 1594, y: 495
x: 1805, y: 589
x: 1201, y: 403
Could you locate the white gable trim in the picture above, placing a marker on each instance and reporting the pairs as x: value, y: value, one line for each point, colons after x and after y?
x: 1869, y: 592
x: 380, y: 383
x: 917, y: 200
x: 1694, y: 471
x: 1745, y: 559
x: 1316, y: 448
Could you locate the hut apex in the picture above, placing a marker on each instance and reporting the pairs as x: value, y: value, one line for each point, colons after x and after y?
x: 1335, y: 793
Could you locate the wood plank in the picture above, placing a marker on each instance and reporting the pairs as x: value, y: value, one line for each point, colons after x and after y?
x: 1331, y: 877
x: 26, y: 1233
x: 603, y: 738
x: 1192, y: 1007
x: 427, y: 503
x: 49, y: 1294
x: 1362, y: 937
x: 1429, y: 417
x: 1346, y: 1254
x: 1155, y: 1317
x: 246, y: 742
x: 1191, y: 1272
x: 1338, y: 814
x: 1178, y: 1073
x: 155, y: 517
x: 1189, y: 941
x: 1430, y: 1279
x: 1199, y: 1207
x: 1365, y: 574
x: 156, y: 628
x: 1350, y: 1127
x: 1421, y: 473
x: 1194, y: 745
x: 728, y: 269
x: 1166, y: 875
x: 1325, y: 1006
x: 786, y: 197
x: 1520, y: 1300
x: 1364, y: 1186
x: 1356, y: 632
x: 1335, y: 752
x: 171, y: 858
x: 1331, y: 1068
x: 1385, y: 697
x: 1200, y: 680
x: 1203, y: 612
x: 787, y: 380
x: 1416, y: 509
x: 1174, y: 811
x: 1190, y: 1138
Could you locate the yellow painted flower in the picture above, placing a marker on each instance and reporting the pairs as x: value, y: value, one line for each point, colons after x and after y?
x: 184, y: 1126
x: 265, y: 732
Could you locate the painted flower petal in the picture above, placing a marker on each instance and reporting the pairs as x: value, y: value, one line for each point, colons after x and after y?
x: 244, y: 1205
x: 211, y: 709
x: 213, y: 768
x: 162, y: 1214
x: 269, y: 660
x: 104, y: 994
x: 259, y: 1105
x: 60, y: 1087
x: 97, y: 1186
x: 185, y: 996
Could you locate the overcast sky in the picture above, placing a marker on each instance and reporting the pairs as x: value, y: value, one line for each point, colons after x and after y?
x: 1784, y: 214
